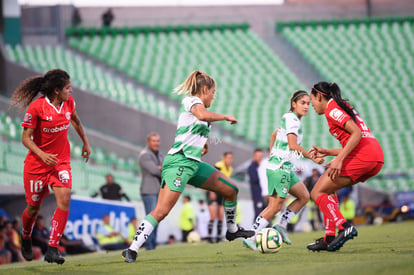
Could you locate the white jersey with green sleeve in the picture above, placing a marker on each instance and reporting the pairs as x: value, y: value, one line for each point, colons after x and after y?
x: 281, y: 154
x: 192, y: 133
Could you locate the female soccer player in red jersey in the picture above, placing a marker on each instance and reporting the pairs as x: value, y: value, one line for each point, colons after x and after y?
x: 359, y: 158
x: 46, y: 124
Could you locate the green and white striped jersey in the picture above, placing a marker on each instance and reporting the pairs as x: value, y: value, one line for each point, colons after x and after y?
x: 281, y: 154
x: 192, y: 133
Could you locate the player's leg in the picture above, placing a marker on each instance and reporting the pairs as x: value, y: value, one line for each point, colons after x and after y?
x: 220, y: 214
x: 36, y: 189
x: 59, y: 220
x: 301, y: 194
x: 327, y: 203
x: 208, y: 178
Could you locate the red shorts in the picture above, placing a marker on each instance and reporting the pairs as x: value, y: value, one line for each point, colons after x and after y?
x: 360, y: 170
x: 36, y: 186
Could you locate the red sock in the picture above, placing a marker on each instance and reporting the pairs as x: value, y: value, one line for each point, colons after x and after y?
x: 330, y: 228
x: 327, y: 204
x: 58, y: 226
x: 27, y: 225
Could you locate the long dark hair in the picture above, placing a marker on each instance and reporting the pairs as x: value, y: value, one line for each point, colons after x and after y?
x: 331, y: 90
x: 32, y: 86
x: 296, y: 96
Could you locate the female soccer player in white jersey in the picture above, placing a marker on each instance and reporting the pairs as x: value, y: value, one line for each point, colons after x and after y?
x: 284, y: 148
x: 45, y: 128
x: 182, y: 165
x: 359, y: 159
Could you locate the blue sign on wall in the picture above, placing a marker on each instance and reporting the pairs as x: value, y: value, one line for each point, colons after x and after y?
x: 85, y: 216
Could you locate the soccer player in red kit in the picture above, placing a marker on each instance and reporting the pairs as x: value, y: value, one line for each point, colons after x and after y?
x: 359, y: 158
x: 45, y: 127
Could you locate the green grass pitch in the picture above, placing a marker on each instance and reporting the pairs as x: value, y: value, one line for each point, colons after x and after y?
x: 382, y: 249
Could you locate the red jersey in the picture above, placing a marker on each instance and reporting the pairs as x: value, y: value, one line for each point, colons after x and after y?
x: 368, y: 147
x: 50, y: 134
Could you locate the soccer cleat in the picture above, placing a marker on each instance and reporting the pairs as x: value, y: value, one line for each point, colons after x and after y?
x: 27, y: 249
x: 240, y: 233
x: 344, y: 235
x: 53, y: 256
x: 249, y: 243
x: 284, y: 234
x: 318, y: 245
x: 129, y: 255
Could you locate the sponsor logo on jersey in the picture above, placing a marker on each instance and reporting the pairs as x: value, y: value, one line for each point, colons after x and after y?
x: 56, y: 129
x: 49, y: 118
x: 27, y: 118
x: 64, y: 176
x: 177, y: 182
x: 35, y: 197
x: 67, y: 115
x: 337, y: 114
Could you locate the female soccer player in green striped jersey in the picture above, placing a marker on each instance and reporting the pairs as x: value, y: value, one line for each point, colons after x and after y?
x: 285, y: 148
x: 183, y: 166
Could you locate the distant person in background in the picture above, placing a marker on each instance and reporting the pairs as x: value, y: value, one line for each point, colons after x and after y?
x: 215, y: 200
x: 255, y: 189
x: 132, y: 228
x: 202, y: 220
x: 47, y: 165
x: 150, y: 163
x: 5, y: 254
x: 76, y: 17
x: 313, y: 209
x: 187, y: 218
x: 111, y: 190
x: 107, y: 18
x: 40, y: 235
x: 108, y: 238
x: 347, y: 207
x: 261, y: 171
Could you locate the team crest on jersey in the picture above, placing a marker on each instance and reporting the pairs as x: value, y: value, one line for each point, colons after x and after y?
x: 35, y: 197
x: 284, y: 190
x: 177, y: 182
x: 27, y: 118
x: 64, y: 176
x: 67, y: 115
x: 337, y: 114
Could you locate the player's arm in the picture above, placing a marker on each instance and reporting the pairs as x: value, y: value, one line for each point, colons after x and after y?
x: 335, y: 165
x: 322, y: 152
x: 76, y: 123
x: 272, y: 139
x: 49, y: 159
x: 205, y: 115
x: 205, y: 149
x: 294, y: 146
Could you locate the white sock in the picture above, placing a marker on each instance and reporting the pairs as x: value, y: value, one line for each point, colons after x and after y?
x: 286, y: 217
x: 230, y: 213
x: 258, y: 225
x: 144, y: 230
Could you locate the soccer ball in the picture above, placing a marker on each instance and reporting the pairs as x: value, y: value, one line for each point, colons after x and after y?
x: 268, y: 240
x: 193, y: 237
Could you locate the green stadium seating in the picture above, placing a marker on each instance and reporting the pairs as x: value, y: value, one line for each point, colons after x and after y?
x: 243, y: 66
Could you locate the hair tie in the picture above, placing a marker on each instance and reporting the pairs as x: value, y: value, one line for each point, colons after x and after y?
x: 319, y: 91
x: 298, y: 95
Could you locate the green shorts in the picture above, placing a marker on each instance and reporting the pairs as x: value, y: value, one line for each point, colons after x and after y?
x: 177, y: 171
x: 280, y: 181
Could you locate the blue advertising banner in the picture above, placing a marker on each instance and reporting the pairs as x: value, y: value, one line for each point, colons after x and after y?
x: 85, y: 216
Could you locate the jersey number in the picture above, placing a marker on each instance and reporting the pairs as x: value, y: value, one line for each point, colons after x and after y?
x: 36, y: 186
x: 362, y: 124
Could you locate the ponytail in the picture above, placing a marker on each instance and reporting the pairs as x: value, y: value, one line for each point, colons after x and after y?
x: 32, y: 86
x: 194, y: 83
x: 331, y: 90
x: 26, y: 91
